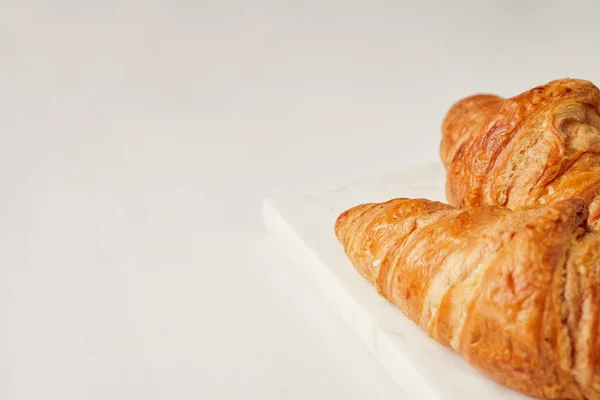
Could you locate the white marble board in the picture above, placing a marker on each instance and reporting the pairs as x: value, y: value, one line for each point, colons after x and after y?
x: 303, y: 225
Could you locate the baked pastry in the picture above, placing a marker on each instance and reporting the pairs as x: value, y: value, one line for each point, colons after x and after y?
x: 538, y: 147
x: 514, y: 292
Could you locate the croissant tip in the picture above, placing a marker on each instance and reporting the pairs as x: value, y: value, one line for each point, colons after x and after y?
x: 345, y: 219
x: 340, y: 223
x: 468, y: 104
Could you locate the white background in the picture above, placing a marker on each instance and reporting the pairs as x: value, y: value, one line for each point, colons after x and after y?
x: 138, y: 138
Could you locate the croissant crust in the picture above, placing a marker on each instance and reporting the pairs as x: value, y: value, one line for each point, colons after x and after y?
x: 514, y: 292
x: 538, y: 147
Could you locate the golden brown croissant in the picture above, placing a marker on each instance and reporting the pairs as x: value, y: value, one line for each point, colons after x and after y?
x: 540, y: 146
x: 515, y: 293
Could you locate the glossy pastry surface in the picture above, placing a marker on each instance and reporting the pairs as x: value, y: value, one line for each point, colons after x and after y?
x: 535, y: 148
x: 514, y: 292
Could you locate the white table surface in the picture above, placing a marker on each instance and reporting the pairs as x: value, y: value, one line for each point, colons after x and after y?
x: 138, y: 138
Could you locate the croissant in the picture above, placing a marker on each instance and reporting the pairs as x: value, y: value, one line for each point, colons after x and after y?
x: 514, y: 292
x: 538, y: 147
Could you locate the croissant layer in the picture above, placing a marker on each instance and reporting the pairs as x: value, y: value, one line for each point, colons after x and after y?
x: 538, y: 147
x: 514, y: 292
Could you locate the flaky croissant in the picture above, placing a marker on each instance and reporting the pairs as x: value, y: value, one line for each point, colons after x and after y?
x: 515, y: 292
x: 540, y: 146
